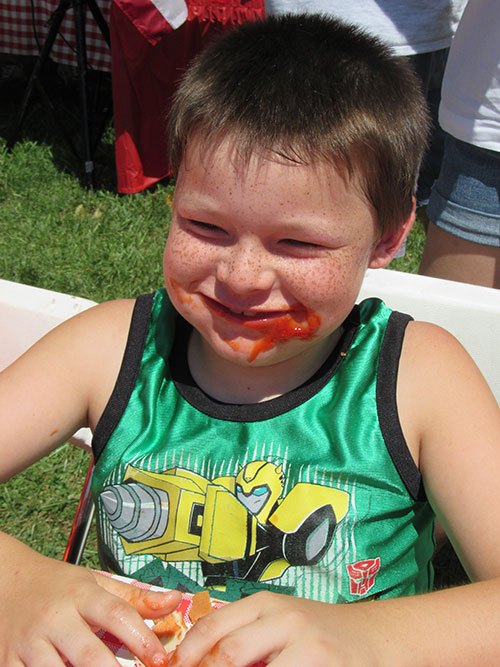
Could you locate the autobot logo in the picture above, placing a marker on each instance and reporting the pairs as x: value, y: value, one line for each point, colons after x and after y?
x: 362, y: 575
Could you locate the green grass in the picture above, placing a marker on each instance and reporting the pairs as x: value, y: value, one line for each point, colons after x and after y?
x: 38, y: 505
x: 56, y: 235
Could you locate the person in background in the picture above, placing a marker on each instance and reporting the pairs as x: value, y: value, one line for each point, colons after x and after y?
x: 463, y: 239
x: 419, y: 30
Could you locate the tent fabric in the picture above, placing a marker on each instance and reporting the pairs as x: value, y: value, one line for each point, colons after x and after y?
x: 149, y: 57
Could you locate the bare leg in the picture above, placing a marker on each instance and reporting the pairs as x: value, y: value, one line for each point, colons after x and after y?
x: 452, y: 258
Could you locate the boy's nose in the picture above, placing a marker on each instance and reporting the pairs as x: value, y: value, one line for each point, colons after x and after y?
x: 245, y: 270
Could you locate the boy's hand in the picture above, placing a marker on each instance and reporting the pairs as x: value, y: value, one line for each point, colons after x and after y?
x: 280, y: 630
x: 52, y: 609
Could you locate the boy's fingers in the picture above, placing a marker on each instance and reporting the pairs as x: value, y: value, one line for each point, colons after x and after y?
x: 77, y: 645
x: 248, y: 645
x: 204, y: 638
x: 38, y: 653
x: 116, y: 614
x: 122, y: 621
x: 80, y: 648
x: 149, y: 604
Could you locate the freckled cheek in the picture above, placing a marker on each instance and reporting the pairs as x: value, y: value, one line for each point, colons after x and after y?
x: 184, y: 260
x: 185, y: 267
x: 320, y: 284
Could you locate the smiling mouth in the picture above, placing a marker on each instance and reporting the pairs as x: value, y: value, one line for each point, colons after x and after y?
x: 247, y: 316
x: 273, y: 326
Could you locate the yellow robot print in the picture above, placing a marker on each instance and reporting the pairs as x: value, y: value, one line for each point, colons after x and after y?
x: 236, y: 526
x: 258, y: 487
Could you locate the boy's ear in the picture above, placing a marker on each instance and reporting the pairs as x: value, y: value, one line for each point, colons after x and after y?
x: 390, y: 242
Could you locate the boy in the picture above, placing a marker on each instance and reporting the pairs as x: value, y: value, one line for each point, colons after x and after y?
x: 253, y: 430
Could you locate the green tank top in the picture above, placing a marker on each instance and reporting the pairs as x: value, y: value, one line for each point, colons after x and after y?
x: 313, y: 493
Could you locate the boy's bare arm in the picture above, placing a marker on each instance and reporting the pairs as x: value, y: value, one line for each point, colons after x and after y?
x: 51, y: 609
x: 62, y: 383
x: 449, y: 412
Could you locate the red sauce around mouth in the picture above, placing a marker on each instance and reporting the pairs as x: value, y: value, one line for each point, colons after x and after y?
x: 301, y: 324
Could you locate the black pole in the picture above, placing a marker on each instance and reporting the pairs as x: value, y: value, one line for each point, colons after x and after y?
x: 81, y: 54
x: 79, y: 7
x: 55, y: 24
x: 99, y: 19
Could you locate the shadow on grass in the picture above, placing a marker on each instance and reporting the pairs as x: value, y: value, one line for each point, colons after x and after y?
x: 60, y: 127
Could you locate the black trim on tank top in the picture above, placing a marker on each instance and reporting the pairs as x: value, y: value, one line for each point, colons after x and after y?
x: 127, y: 376
x: 387, y: 409
x: 390, y: 353
x: 253, y: 412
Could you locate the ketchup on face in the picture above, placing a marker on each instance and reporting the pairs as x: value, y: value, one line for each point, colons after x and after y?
x: 302, y: 324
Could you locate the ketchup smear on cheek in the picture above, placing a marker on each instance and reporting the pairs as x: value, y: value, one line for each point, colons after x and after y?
x: 303, y: 324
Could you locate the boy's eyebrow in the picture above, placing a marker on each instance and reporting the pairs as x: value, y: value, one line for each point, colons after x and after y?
x: 197, y: 200
x: 290, y: 224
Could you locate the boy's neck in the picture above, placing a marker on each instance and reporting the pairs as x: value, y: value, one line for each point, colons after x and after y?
x: 232, y: 383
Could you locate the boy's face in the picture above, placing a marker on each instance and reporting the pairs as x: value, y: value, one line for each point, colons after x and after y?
x: 266, y: 261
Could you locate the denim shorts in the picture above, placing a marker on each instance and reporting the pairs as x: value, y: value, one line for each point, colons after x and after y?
x: 465, y: 200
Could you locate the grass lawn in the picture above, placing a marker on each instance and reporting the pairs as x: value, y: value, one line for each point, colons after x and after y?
x: 56, y: 235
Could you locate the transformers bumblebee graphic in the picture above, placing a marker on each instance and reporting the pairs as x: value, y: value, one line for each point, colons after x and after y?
x: 236, y: 526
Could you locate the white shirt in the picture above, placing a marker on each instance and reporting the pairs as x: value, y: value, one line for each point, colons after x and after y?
x: 470, y: 103
x: 408, y: 26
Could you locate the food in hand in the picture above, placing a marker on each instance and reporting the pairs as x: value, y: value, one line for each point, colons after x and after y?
x: 171, y: 628
x: 201, y: 605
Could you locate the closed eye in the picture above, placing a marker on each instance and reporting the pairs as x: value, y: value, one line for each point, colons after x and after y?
x: 299, y: 244
x: 300, y: 248
x: 204, y: 229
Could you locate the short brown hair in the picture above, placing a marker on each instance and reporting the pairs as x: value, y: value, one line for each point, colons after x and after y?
x: 309, y: 88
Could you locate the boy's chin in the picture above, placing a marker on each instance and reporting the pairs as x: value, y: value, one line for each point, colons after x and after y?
x: 247, y: 353
x: 244, y: 353
x: 240, y: 351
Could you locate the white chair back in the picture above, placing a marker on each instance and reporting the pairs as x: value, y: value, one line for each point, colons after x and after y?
x: 471, y: 313
x: 26, y: 314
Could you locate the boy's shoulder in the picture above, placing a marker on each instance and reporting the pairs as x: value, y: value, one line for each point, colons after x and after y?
x: 438, y: 384
x: 63, y: 382
x: 114, y: 315
x: 431, y: 359
x: 451, y: 422
x: 91, y: 347
x: 426, y: 343
x: 102, y: 332
x: 104, y: 326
